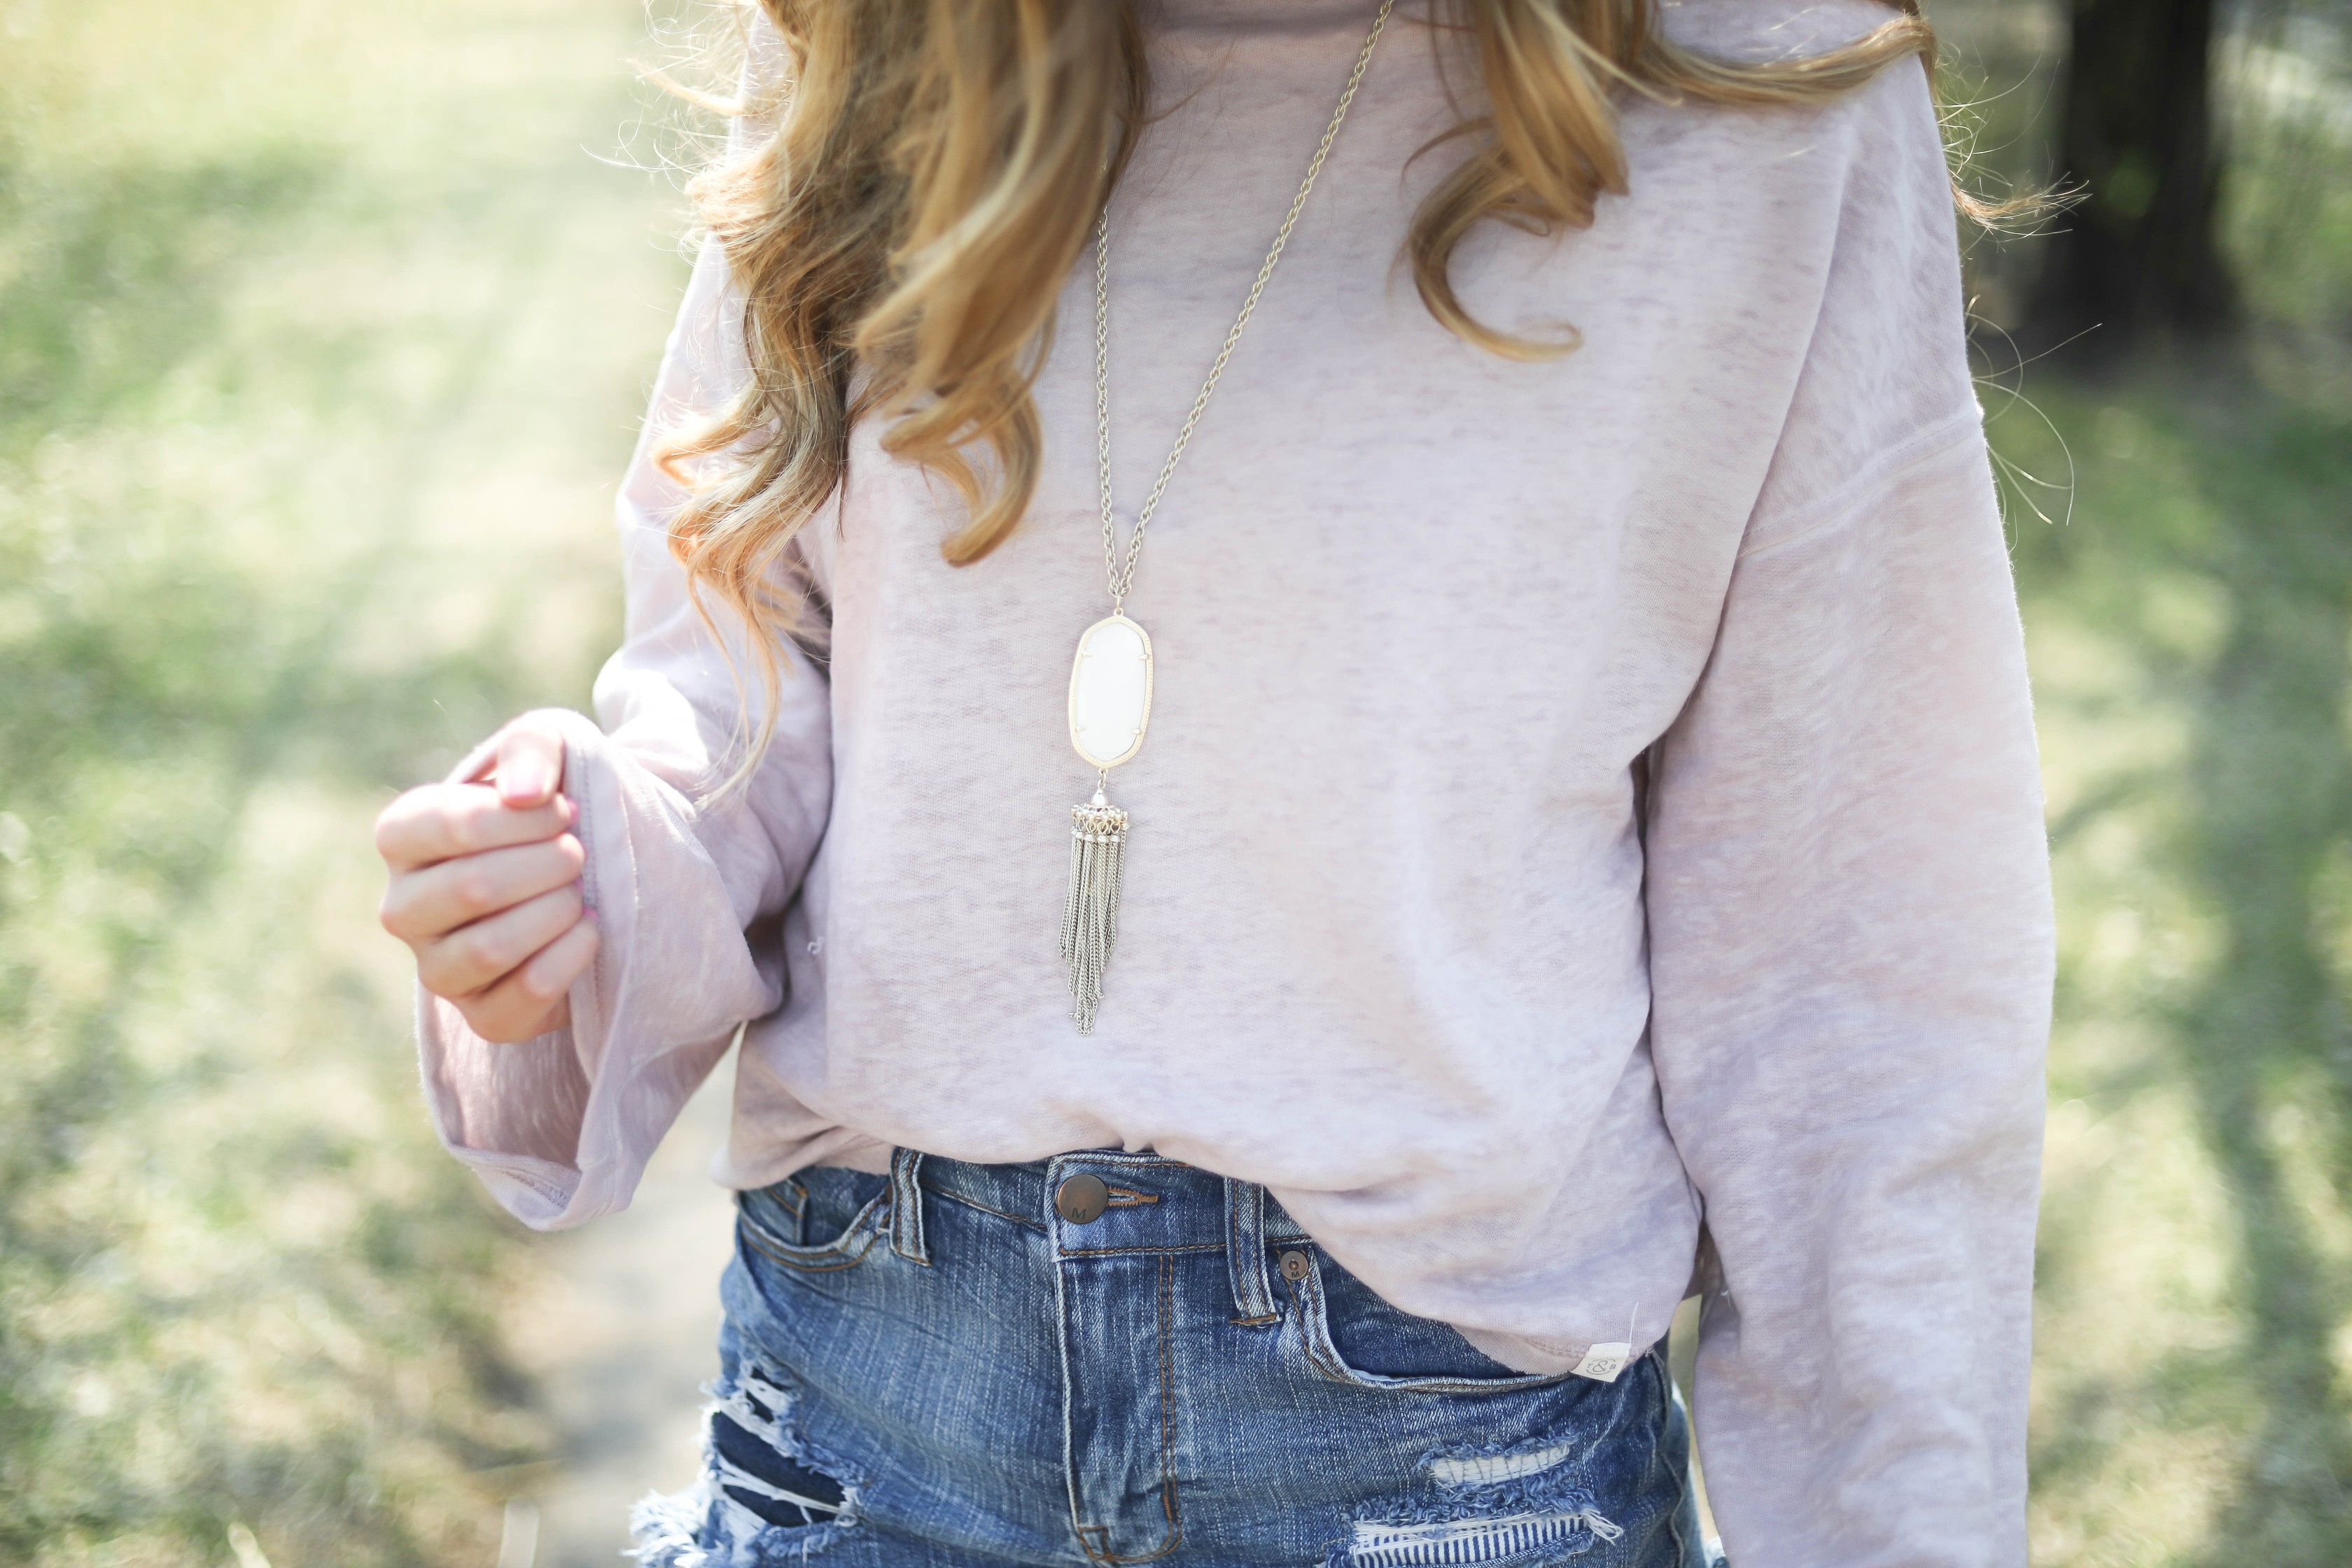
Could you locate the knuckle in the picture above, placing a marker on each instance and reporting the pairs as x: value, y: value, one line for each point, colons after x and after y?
x: 463, y: 828
x: 482, y: 952
x: 524, y: 737
x: 474, y: 890
x: 395, y: 823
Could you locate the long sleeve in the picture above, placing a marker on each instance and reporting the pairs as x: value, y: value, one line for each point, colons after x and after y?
x: 1851, y: 943
x: 560, y: 1127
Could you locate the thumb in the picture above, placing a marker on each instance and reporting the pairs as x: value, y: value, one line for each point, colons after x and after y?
x: 529, y: 764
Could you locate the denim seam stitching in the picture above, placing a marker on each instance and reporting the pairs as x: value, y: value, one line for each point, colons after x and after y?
x: 1244, y: 1258
x: 1168, y: 1398
x: 847, y: 1261
x: 974, y: 1203
x: 1167, y: 1415
x: 1167, y: 1435
x: 907, y: 1237
x: 845, y: 1251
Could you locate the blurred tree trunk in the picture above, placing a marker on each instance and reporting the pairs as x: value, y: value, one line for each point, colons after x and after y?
x: 2137, y: 260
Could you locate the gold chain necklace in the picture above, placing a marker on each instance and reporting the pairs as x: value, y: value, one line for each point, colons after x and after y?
x: 1110, y: 679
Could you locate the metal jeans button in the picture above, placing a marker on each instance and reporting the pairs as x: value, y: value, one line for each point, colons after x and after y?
x: 1295, y: 1265
x: 1082, y: 1199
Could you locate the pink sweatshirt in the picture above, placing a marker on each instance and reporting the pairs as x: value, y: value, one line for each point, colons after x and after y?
x: 1405, y: 936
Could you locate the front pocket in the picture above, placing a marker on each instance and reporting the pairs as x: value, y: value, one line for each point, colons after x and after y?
x: 1386, y: 1348
x: 772, y: 1222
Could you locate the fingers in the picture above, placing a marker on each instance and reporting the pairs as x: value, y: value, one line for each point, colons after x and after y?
x: 441, y: 821
x: 531, y: 1000
x: 529, y: 766
x: 473, y: 957
x: 484, y: 886
x: 434, y: 901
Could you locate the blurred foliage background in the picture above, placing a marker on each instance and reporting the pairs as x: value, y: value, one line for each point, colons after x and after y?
x: 324, y: 332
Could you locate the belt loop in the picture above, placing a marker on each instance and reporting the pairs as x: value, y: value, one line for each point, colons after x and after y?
x: 906, y: 1208
x: 1246, y: 1253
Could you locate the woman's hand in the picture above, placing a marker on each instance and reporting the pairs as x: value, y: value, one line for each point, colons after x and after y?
x: 486, y: 888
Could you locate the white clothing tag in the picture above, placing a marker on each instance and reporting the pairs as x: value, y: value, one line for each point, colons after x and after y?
x: 1603, y: 1362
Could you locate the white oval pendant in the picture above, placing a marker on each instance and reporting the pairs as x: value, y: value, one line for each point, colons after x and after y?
x: 1110, y: 691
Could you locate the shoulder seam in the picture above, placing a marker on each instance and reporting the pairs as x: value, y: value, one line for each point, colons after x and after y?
x: 1828, y: 511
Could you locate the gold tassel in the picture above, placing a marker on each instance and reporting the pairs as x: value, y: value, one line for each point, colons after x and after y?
x: 1090, y: 918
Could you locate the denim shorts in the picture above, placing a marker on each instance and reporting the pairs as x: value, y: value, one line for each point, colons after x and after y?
x: 944, y: 1367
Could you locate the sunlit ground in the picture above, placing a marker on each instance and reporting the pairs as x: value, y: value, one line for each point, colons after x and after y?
x: 2190, y: 632
x: 321, y: 338
x: 322, y: 335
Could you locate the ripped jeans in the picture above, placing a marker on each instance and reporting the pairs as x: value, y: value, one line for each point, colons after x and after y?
x: 1110, y: 1358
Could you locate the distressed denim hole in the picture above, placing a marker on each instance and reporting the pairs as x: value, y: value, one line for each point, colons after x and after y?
x: 1493, y: 1469
x: 763, y: 1498
x: 1376, y: 1543
x: 779, y: 1488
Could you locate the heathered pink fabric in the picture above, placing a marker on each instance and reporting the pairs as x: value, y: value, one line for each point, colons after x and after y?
x: 1397, y: 941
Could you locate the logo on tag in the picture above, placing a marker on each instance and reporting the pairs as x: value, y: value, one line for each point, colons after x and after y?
x: 1603, y: 1362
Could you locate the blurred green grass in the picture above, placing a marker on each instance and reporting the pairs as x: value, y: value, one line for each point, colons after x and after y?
x: 2182, y: 525
x: 322, y: 336
x: 2190, y: 630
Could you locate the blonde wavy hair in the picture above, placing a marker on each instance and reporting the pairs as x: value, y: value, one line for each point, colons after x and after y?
x: 934, y: 171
